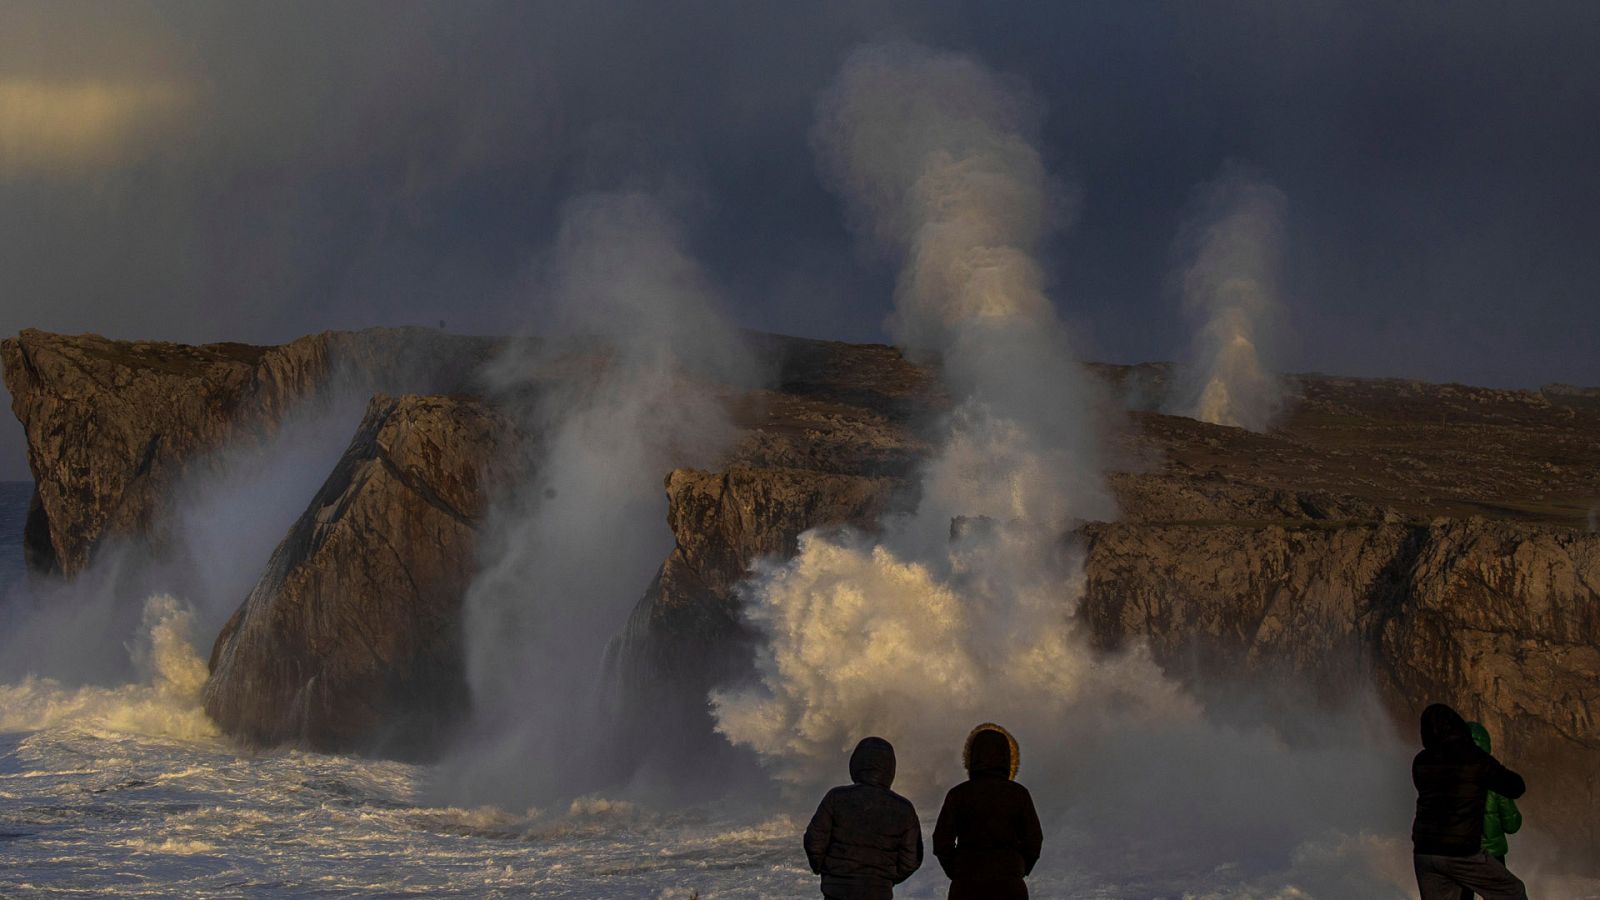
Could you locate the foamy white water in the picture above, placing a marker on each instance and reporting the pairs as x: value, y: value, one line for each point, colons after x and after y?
x: 126, y: 790
x: 127, y: 815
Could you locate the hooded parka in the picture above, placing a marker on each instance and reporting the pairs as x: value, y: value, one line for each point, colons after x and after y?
x: 1453, y: 780
x: 1500, y: 814
x: 988, y: 836
x: 865, y: 838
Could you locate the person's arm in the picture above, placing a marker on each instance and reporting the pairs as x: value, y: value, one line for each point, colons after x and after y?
x: 1505, y: 782
x: 909, y: 857
x: 819, y: 833
x: 1510, y: 816
x: 944, y: 836
x: 1032, y: 834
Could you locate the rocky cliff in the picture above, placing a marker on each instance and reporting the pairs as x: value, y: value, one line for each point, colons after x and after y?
x: 1432, y: 540
x: 112, y: 426
x: 1497, y: 618
x: 351, y: 639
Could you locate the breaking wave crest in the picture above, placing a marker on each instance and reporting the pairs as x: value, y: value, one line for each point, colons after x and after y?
x: 165, y: 702
x: 861, y: 641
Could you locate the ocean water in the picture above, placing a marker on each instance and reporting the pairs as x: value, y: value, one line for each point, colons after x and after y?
x: 126, y: 790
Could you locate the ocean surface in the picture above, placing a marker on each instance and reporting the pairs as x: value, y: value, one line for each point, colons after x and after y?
x: 126, y: 790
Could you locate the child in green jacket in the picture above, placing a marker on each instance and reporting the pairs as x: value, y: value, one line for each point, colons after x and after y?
x: 1500, y: 814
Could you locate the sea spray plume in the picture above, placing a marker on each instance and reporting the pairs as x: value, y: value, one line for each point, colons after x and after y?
x: 860, y: 639
x: 964, y: 610
x: 163, y: 702
x: 936, y: 160
x: 228, y: 510
x: 618, y: 391
x: 926, y: 632
x: 1231, y: 246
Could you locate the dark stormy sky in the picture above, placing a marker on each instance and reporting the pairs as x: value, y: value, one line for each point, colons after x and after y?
x: 254, y: 171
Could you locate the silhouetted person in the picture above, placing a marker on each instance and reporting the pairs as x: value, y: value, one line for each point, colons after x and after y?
x: 1453, y: 779
x: 865, y: 838
x: 988, y: 836
x: 1500, y: 814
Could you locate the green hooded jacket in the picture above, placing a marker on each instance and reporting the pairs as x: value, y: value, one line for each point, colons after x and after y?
x: 1500, y: 814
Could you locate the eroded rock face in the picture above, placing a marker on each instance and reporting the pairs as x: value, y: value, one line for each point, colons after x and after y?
x: 1503, y: 621
x: 724, y: 523
x: 1499, y: 619
x: 351, y: 640
x: 1431, y: 540
x: 112, y: 426
x: 686, y: 635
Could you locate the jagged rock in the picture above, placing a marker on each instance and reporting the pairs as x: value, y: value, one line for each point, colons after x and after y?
x: 1499, y: 619
x: 1158, y: 497
x: 112, y: 425
x: 832, y: 443
x: 351, y: 640
x: 1428, y: 539
x: 723, y: 523
x: 685, y: 635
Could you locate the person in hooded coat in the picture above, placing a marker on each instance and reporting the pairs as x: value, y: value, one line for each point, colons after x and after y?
x: 988, y: 837
x: 1453, y: 778
x: 864, y: 838
x: 1500, y: 814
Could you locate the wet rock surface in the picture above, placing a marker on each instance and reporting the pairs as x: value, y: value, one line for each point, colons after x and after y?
x: 112, y: 426
x: 1496, y: 618
x: 1434, y: 541
x: 351, y: 639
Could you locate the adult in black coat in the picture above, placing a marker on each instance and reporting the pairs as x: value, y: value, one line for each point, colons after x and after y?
x: 865, y: 838
x: 988, y: 835
x: 1453, y: 779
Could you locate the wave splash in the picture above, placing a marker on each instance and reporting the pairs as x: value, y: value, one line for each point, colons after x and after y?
x: 164, y: 703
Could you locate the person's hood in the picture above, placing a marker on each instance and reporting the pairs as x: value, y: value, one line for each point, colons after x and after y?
x: 1480, y: 735
x: 873, y: 763
x: 991, y: 750
x: 1441, y: 724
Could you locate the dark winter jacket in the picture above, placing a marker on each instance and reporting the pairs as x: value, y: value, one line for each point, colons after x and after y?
x: 1453, y: 780
x: 865, y: 838
x: 1500, y: 814
x: 988, y: 835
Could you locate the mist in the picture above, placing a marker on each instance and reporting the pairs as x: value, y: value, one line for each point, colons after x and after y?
x: 1231, y: 249
x: 160, y: 699
x: 963, y: 611
x: 622, y: 386
x: 936, y: 160
x: 206, y: 552
x: 204, y: 172
x: 251, y: 173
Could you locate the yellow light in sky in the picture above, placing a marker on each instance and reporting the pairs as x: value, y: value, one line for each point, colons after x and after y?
x: 63, y: 128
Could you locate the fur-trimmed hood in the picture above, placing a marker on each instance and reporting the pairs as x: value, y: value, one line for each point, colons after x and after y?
x: 991, y: 750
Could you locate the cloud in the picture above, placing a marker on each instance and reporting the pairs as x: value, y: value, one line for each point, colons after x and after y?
x: 382, y: 163
x: 64, y: 129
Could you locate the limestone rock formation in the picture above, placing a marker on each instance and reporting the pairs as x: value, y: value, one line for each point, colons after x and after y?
x: 686, y: 627
x: 831, y: 443
x: 351, y: 639
x: 1431, y: 540
x: 1496, y: 618
x: 112, y: 426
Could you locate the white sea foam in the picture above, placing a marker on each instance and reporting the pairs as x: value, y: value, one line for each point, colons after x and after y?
x: 860, y: 641
x: 166, y: 703
x: 129, y: 814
